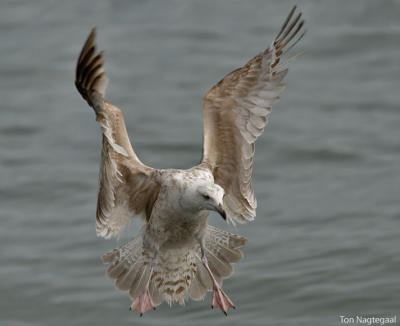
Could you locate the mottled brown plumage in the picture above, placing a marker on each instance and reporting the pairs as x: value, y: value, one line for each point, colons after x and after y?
x: 177, y: 255
x: 235, y: 112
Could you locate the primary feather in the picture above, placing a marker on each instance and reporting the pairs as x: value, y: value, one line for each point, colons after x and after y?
x: 235, y: 112
x: 177, y: 255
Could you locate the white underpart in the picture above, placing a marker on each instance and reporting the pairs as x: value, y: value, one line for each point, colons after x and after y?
x: 235, y: 112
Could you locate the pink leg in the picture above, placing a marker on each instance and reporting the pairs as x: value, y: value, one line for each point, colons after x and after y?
x: 219, y: 298
x: 144, y: 302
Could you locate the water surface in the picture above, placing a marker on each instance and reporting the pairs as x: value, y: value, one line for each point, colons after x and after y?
x: 327, y: 170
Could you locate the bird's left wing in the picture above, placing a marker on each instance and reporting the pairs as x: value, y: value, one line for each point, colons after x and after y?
x: 235, y: 113
x: 127, y: 186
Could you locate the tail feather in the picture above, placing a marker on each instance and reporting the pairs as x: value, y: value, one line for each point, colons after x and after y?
x: 218, y: 265
x: 177, y: 268
x: 156, y: 295
x: 179, y: 273
x: 138, y: 284
x: 129, y: 266
x: 116, y: 270
x: 198, y: 288
x: 222, y: 249
x: 126, y: 281
x: 202, y: 278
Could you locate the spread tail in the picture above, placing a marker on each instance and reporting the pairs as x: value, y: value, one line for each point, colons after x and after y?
x: 221, y: 249
x: 178, y: 273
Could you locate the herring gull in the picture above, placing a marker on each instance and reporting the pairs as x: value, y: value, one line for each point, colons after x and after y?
x: 177, y: 255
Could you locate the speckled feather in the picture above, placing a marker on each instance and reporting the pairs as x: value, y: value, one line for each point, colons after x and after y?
x: 167, y: 252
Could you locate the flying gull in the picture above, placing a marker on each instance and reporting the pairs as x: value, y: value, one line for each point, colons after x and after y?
x: 177, y: 255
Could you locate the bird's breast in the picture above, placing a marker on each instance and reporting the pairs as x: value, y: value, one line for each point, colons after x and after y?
x: 172, y: 231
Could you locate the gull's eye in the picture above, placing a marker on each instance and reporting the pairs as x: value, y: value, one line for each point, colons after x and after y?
x: 206, y: 197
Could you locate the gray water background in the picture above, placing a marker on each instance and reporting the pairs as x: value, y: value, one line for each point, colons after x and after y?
x: 325, y: 241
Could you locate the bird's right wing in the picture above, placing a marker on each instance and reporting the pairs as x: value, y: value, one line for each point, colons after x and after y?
x: 127, y: 186
x: 235, y: 112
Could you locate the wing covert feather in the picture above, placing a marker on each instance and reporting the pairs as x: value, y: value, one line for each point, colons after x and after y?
x: 126, y: 186
x: 235, y: 112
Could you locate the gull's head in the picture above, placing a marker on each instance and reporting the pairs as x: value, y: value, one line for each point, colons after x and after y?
x: 210, y: 197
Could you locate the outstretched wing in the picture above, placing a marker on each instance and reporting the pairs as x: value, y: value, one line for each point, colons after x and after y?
x: 235, y: 113
x: 127, y: 186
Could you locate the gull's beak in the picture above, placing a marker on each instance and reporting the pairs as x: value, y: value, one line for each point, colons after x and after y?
x: 221, y: 211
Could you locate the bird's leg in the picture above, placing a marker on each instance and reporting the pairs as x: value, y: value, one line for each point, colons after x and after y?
x: 219, y: 298
x: 144, y: 302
